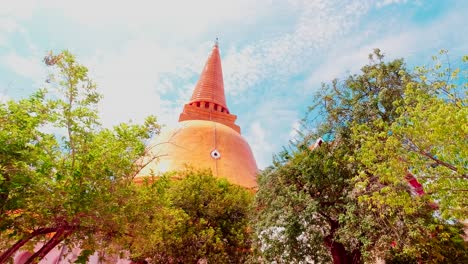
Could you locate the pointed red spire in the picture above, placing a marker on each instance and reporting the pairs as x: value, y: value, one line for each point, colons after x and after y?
x: 208, y: 101
x: 210, y: 86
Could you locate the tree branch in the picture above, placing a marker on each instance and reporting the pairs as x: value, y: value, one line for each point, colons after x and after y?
x: 59, y: 236
x: 12, y: 250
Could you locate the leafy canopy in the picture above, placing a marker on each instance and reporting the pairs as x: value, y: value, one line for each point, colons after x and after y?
x: 61, y: 173
x: 189, y: 218
x: 350, y: 200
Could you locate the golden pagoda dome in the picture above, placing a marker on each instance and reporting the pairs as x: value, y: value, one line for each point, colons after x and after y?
x: 206, y: 136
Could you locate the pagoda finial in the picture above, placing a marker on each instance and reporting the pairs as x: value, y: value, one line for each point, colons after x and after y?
x: 216, y: 42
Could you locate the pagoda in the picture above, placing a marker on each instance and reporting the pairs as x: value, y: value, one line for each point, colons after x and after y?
x: 206, y: 137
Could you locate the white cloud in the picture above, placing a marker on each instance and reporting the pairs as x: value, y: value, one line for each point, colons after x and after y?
x: 350, y: 57
x: 11, y: 15
x: 18, y: 9
x: 261, y: 144
x: 188, y: 18
x: 8, y: 25
x: 295, y: 129
x: 389, y: 2
x: 3, y: 41
x: 29, y: 67
x: 318, y: 25
x: 267, y: 128
x: 4, y: 98
x: 339, y: 65
x: 133, y: 80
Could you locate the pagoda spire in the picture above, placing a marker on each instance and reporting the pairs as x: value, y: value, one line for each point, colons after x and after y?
x: 210, y: 86
x: 208, y: 101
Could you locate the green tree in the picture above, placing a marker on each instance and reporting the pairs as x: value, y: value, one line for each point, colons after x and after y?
x: 299, y: 202
x: 426, y: 142
x: 328, y: 204
x: 61, y: 173
x: 192, y: 217
x: 428, y: 139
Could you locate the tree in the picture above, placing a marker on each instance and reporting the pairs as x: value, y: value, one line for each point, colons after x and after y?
x: 299, y: 203
x: 23, y: 146
x: 61, y: 173
x: 425, y: 144
x: 192, y: 217
x: 428, y: 139
x: 326, y: 203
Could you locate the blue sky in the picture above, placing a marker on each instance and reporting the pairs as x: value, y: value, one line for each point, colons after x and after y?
x: 146, y: 55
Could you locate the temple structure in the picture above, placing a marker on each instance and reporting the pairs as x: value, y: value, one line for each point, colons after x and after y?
x: 207, y: 136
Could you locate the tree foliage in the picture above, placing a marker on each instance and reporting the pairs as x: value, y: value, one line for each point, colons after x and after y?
x: 428, y: 139
x: 197, y: 217
x: 349, y: 200
x: 299, y: 204
x: 61, y: 173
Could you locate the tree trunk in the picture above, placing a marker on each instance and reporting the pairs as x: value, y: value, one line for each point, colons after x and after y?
x: 59, y: 236
x: 13, y: 249
x: 356, y: 256
x: 339, y: 253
